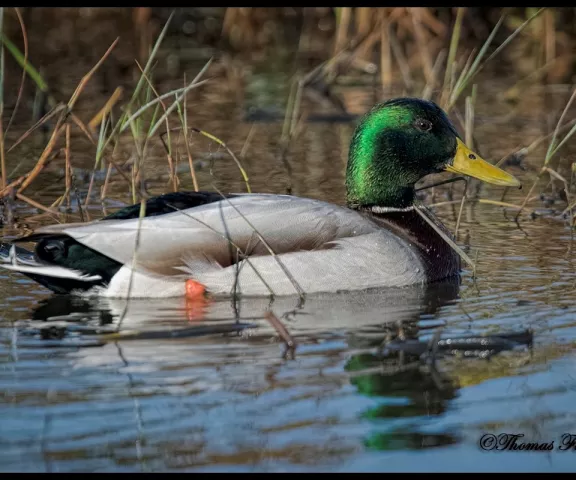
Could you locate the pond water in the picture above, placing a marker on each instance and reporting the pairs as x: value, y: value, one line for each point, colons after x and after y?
x: 166, y: 385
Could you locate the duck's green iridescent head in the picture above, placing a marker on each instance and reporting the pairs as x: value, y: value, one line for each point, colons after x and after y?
x: 400, y: 141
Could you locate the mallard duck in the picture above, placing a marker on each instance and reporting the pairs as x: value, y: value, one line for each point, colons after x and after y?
x: 265, y: 244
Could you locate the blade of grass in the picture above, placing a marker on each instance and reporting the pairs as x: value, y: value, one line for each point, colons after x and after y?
x: 25, y: 65
x: 151, y: 58
x: 564, y: 140
x: 157, y: 100
x: 179, y: 98
x: 551, y: 150
x: 514, y: 34
x: 477, y: 65
x: 230, y: 152
x: 183, y: 114
x: 99, y: 152
x: 530, y: 148
x: 453, y: 47
x: 141, y: 216
x: 149, y: 134
x: 194, y: 83
x: 552, y: 143
x: 464, y: 77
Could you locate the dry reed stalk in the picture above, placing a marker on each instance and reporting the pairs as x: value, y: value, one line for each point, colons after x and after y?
x: 446, y: 91
x: 67, y: 173
x: 141, y: 16
x: 3, y: 172
x: 34, y: 203
x: 397, y: 14
x: 83, y: 128
x: 550, y: 38
x: 247, y: 141
x: 363, y: 20
x: 119, y: 170
x: 16, y: 183
x: 429, y: 88
x: 296, y: 108
x: 96, y: 119
x: 421, y: 42
x: 229, y: 20
x: 519, y: 88
x: 342, y: 29
x: 68, y: 167
x: 401, y: 60
x: 172, y: 177
x: 433, y: 24
x: 58, y: 130
x: 364, y: 48
x: 385, y: 53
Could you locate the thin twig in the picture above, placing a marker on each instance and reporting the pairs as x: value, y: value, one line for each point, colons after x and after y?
x: 280, y: 329
x: 44, y: 119
x: 422, y: 212
x: 287, y: 272
x: 229, y: 240
x: 86, y: 78
x: 35, y: 203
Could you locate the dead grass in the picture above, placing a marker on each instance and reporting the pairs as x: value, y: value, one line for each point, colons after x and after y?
x: 428, y: 51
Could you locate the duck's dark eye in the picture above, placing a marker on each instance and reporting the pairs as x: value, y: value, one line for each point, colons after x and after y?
x: 423, y: 124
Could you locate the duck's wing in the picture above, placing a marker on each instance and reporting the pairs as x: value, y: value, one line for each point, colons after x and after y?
x: 219, y: 233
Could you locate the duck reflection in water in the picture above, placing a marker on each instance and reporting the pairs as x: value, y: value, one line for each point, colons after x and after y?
x: 383, y: 331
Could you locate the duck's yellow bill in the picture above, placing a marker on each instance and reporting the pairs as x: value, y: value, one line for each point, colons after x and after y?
x: 469, y: 163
